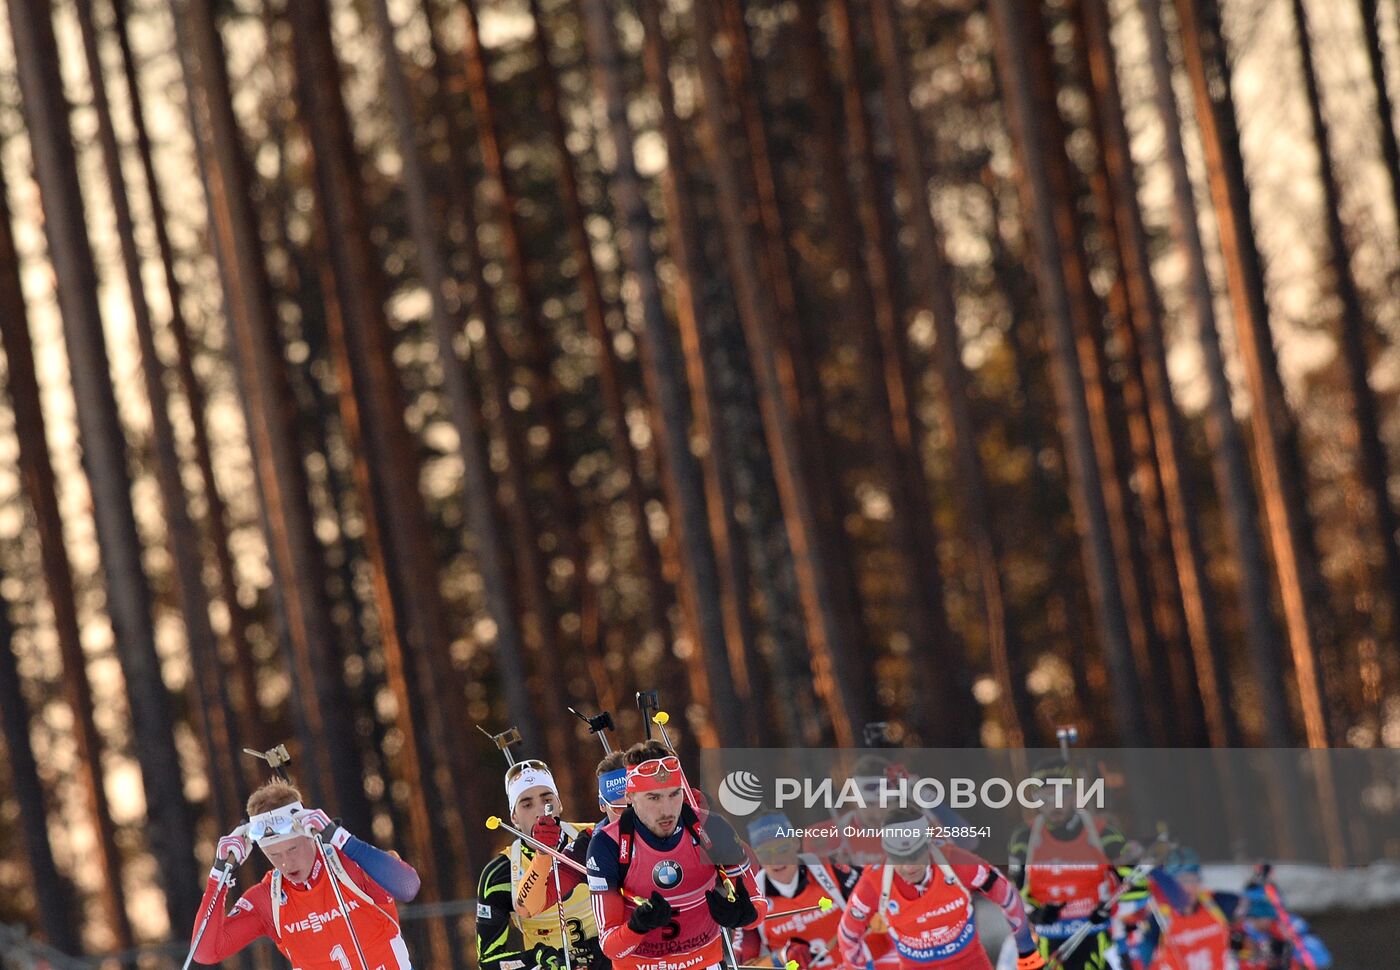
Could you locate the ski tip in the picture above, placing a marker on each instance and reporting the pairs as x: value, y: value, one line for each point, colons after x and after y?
x: 662, y: 718
x: 825, y: 903
x: 494, y: 822
x: 790, y: 965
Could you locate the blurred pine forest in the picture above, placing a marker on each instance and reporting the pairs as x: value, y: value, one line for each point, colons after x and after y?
x: 378, y: 369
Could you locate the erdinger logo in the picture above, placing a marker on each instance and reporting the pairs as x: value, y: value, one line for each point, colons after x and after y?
x: 740, y: 793
x: 666, y: 874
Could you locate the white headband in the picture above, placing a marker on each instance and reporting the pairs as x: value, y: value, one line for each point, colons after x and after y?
x: 283, y: 817
x: 528, y: 778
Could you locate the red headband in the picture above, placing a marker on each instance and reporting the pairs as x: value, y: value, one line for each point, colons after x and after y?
x: 657, y: 774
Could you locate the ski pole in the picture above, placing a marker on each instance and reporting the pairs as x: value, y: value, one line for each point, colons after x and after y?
x: 494, y: 822
x: 1290, y: 931
x: 559, y: 904
x: 1065, y: 949
x: 824, y: 904
x: 224, y: 875
x: 340, y: 900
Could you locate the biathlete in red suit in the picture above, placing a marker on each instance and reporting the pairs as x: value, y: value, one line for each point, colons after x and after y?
x: 666, y: 883
x: 295, y: 904
x: 795, y: 881
x: 924, y: 893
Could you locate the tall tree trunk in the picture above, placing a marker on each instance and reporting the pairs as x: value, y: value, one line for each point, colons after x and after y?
x: 833, y: 652
x: 537, y: 340
x: 319, y: 708
x: 53, y: 902
x: 210, y: 708
x: 478, y: 482
x: 686, y: 249
x: 1275, y: 442
x: 610, y: 379
x: 1357, y: 333
x: 371, y: 405
x: 935, y: 281
x: 1229, y: 457
x: 1385, y: 105
x: 37, y: 476
x: 1054, y: 242
x: 947, y: 713
x: 730, y: 715
x: 103, y: 443
x: 540, y: 628
x: 1196, y: 595
x: 216, y: 511
x: 807, y: 398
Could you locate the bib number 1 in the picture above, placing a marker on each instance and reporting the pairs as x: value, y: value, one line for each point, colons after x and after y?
x: 339, y: 956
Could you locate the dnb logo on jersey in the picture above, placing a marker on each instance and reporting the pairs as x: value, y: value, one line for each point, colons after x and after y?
x: 666, y: 874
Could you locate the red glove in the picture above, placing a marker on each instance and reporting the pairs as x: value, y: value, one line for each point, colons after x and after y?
x: 548, y: 831
x: 234, y: 845
x: 798, y: 951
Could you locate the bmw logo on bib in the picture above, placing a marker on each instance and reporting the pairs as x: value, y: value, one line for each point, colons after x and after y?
x: 666, y: 874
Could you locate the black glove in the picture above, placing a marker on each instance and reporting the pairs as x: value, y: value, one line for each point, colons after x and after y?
x: 731, y: 913
x: 578, y: 849
x: 1237, y: 940
x: 1101, y: 913
x: 548, y: 958
x: 1047, y: 913
x: 650, y: 914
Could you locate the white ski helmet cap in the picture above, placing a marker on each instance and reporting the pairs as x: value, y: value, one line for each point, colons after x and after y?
x: 905, y: 840
x: 529, y: 775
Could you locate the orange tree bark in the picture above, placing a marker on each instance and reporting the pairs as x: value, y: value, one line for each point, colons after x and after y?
x: 332, y: 773
x: 103, y: 442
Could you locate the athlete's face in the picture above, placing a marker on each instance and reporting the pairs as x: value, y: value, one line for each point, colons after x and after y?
x: 1190, y: 881
x: 783, y: 872
x: 534, y: 804
x: 659, y: 811
x: 912, y: 873
x: 294, y: 858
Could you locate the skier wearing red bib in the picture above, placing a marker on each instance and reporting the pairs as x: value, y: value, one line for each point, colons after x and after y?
x: 295, y: 904
x: 1064, y: 864
x: 665, y: 883
x: 1194, y: 932
x: 795, y: 882
x: 924, y: 893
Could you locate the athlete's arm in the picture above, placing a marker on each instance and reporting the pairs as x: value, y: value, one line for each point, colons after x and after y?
x: 537, y: 886
x: 390, y: 876
x: 616, y: 938
x: 979, y: 874
x: 855, y: 923
x: 498, y: 946
x: 732, y: 856
x: 227, y: 933
x: 1166, y: 889
x: 1017, y: 852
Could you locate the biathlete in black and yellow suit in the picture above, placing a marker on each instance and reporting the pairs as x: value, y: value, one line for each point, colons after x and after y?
x: 517, y: 922
x: 1065, y: 863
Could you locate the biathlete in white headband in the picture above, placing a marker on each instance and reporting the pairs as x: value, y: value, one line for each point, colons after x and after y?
x: 295, y: 904
x: 517, y: 916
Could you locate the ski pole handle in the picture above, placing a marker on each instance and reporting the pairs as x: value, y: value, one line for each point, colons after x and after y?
x: 224, y: 875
